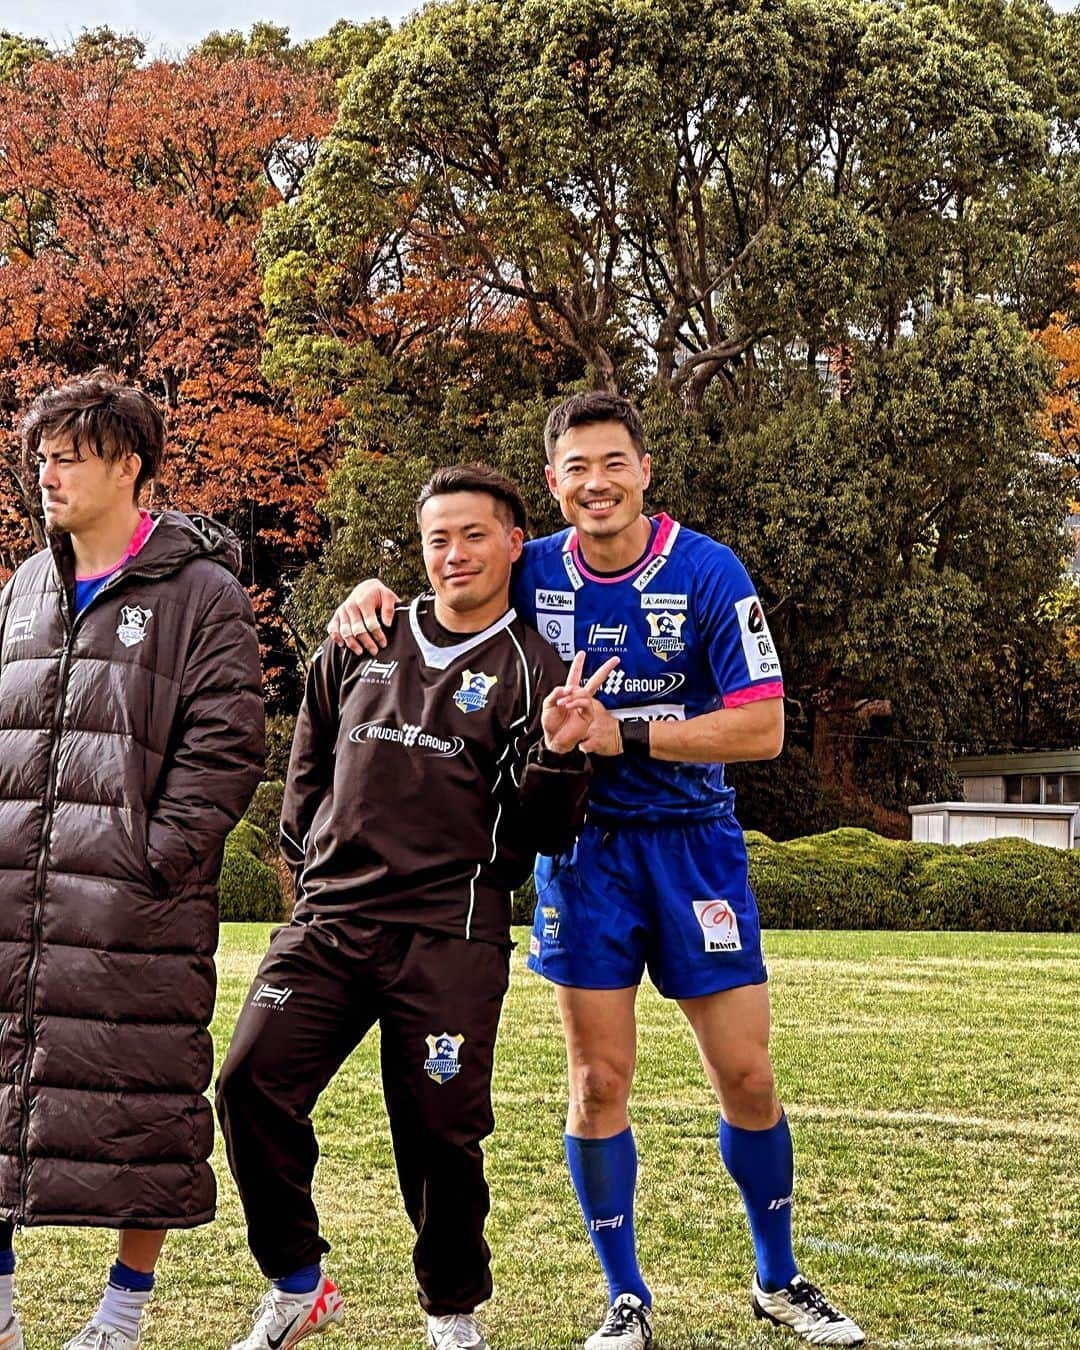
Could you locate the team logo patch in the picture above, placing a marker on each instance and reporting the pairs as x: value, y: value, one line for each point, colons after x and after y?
x: 20, y: 627
x: 665, y: 634
x: 475, y: 687
x: 719, y: 926
x: 757, y: 644
x: 442, y: 1062
x: 131, y: 630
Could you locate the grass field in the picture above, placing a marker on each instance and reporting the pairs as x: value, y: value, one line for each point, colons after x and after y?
x: 933, y: 1084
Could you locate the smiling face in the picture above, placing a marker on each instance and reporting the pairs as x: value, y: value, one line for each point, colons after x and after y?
x: 80, y: 490
x: 599, y: 479
x: 469, y: 550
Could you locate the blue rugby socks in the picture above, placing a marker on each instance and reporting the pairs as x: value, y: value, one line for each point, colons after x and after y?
x: 604, y: 1173
x: 302, y: 1281
x: 762, y: 1165
x: 7, y: 1283
x: 125, y: 1298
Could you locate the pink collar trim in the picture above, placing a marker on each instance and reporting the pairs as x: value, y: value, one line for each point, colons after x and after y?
x: 662, y: 539
x: 143, y: 531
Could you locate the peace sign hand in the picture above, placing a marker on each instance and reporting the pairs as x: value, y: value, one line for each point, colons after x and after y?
x: 571, y: 709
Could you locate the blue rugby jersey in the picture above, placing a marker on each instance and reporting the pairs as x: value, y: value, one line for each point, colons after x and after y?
x: 691, y: 636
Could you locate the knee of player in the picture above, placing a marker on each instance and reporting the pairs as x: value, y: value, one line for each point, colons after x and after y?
x: 749, y: 1082
x: 601, y: 1084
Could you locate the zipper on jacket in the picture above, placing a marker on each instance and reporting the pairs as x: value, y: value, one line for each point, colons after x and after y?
x: 23, y: 1087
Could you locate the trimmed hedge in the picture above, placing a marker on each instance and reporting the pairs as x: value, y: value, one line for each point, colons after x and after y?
x: 265, y: 812
x: 249, y: 891
x: 852, y: 878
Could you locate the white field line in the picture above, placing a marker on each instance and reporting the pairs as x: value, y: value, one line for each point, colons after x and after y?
x: 1031, y: 1129
x: 952, y: 1270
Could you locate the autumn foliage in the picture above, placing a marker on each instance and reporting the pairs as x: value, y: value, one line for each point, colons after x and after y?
x: 130, y: 199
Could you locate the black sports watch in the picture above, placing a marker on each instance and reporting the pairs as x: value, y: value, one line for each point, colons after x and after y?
x: 635, y: 737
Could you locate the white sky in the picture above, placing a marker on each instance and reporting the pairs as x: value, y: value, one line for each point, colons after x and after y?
x: 171, y: 26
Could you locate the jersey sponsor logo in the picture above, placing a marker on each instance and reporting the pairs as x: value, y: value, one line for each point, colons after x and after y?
x: 377, y: 672
x: 267, y: 996
x: 20, y: 627
x: 576, y: 579
x: 554, y: 599
x: 665, y: 634
x: 757, y: 644
x: 640, y: 582
x: 558, y: 629
x: 719, y: 926
x: 651, y: 712
x: 607, y: 635
x: 442, y: 1061
x: 617, y: 683
x: 131, y: 630
x: 409, y: 735
x: 475, y: 687
x: 664, y: 600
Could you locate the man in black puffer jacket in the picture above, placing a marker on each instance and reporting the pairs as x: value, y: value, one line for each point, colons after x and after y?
x: 131, y: 740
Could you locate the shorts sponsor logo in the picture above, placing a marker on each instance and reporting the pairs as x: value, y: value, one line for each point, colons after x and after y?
x: 618, y: 683
x: 607, y: 635
x: 268, y: 996
x: 378, y: 672
x: 475, y: 687
x: 554, y: 599
x: 558, y: 629
x: 640, y: 582
x: 719, y: 926
x: 665, y: 634
x: 651, y: 712
x: 410, y: 736
x: 20, y: 627
x: 762, y: 663
x: 534, y: 945
x: 442, y: 1061
x: 551, y: 923
x: 131, y: 630
x: 659, y: 600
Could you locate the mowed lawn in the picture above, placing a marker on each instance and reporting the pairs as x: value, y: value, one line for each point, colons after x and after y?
x: 933, y: 1083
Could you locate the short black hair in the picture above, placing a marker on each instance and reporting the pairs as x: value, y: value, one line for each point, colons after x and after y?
x: 582, y: 410
x: 101, y: 413
x: 477, y: 478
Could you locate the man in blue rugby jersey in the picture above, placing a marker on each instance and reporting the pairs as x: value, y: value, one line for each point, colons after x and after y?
x: 658, y: 879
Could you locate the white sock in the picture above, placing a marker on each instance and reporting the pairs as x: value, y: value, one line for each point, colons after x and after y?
x: 122, y: 1309
x: 7, y: 1293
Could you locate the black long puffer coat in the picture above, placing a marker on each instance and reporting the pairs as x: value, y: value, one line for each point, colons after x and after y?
x: 131, y: 740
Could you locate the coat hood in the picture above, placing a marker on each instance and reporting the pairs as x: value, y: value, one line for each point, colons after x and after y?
x: 175, y: 540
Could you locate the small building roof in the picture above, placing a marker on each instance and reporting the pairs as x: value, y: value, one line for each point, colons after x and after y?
x: 1019, y: 761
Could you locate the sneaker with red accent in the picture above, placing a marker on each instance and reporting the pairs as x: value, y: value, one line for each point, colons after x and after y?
x: 11, y: 1337
x: 282, y: 1320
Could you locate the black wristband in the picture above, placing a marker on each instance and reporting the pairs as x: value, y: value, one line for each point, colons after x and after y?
x: 635, y: 737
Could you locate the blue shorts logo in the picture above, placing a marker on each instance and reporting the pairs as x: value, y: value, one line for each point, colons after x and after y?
x: 475, y: 687
x: 442, y: 1062
x: 719, y: 926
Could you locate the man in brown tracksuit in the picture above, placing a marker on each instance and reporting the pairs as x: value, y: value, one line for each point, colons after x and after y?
x: 420, y: 787
x: 131, y: 739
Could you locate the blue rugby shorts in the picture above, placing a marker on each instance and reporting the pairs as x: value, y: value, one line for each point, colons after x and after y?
x: 673, y: 899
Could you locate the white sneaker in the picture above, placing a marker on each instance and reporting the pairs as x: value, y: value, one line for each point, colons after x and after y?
x: 802, y: 1306
x: 11, y: 1337
x: 627, y: 1326
x: 281, y: 1320
x: 457, y: 1331
x: 95, y: 1336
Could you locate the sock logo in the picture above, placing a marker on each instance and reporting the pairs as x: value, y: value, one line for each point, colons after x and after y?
x: 785, y: 1200
x: 598, y: 1224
